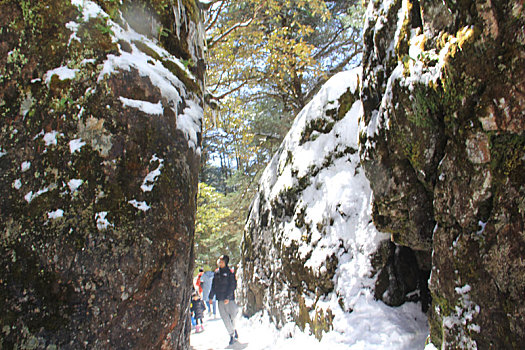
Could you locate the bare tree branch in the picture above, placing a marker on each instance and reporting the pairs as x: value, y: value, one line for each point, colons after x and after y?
x: 333, y: 71
x: 229, y: 31
x: 237, y: 88
x: 207, y: 5
x: 268, y: 135
x: 216, y: 15
x: 236, y: 26
x: 219, y: 82
x: 324, y: 48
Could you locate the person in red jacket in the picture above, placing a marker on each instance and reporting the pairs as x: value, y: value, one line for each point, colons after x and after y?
x: 198, y: 282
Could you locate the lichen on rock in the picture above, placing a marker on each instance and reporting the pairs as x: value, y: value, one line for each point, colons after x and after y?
x: 441, y: 101
x: 310, y: 252
x: 88, y: 99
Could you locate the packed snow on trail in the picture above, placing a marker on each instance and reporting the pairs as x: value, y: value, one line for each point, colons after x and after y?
x: 373, y: 325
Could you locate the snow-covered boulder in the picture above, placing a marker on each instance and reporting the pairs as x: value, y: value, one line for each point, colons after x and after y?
x: 311, y: 253
x: 444, y: 147
x: 101, y: 106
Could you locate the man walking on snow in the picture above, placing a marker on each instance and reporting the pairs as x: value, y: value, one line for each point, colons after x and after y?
x: 223, y: 288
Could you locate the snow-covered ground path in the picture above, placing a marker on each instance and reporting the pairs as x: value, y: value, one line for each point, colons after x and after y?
x: 372, y: 325
x: 213, y: 337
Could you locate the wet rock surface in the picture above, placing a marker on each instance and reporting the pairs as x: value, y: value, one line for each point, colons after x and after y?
x: 99, y: 154
x: 443, y: 149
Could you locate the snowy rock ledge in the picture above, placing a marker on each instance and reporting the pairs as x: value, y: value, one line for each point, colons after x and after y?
x: 311, y: 254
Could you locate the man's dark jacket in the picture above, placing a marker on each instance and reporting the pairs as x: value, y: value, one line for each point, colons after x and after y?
x: 223, y: 285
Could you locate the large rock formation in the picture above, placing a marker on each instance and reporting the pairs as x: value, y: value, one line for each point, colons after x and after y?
x: 101, y: 105
x: 310, y: 252
x: 443, y: 98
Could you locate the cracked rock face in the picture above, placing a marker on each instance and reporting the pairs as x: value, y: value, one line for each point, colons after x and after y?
x: 443, y: 149
x: 99, y: 154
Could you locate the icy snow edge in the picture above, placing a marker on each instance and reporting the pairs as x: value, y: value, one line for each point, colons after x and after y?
x: 174, y: 93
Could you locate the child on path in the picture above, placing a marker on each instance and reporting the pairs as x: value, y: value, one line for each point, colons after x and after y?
x: 197, y: 310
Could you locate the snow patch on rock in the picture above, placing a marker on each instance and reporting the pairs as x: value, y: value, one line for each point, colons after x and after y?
x: 25, y: 166
x: 190, y: 121
x: 140, y: 205
x: 55, y: 214
x: 50, y: 138
x: 74, y: 184
x: 73, y: 26
x: 143, y: 106
x: 63, y: 73
x: 89, y: 9
x: 75, y: 145
x: 30, y: 195
x: 151, y: 178
x: 463, y: 316
x: 17, y: 184
x: 102, y: 222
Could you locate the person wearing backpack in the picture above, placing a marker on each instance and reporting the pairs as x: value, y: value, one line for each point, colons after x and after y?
x: 223, y: 288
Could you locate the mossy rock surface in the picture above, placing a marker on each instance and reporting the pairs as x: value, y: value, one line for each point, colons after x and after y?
x: 310, y: 217
x: 274, y: 273
x: 98, y: 173
x: 443, y: 160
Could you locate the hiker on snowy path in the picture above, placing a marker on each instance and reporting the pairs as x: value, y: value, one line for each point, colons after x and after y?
x: 223, y: 288
x: 207, y: 280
